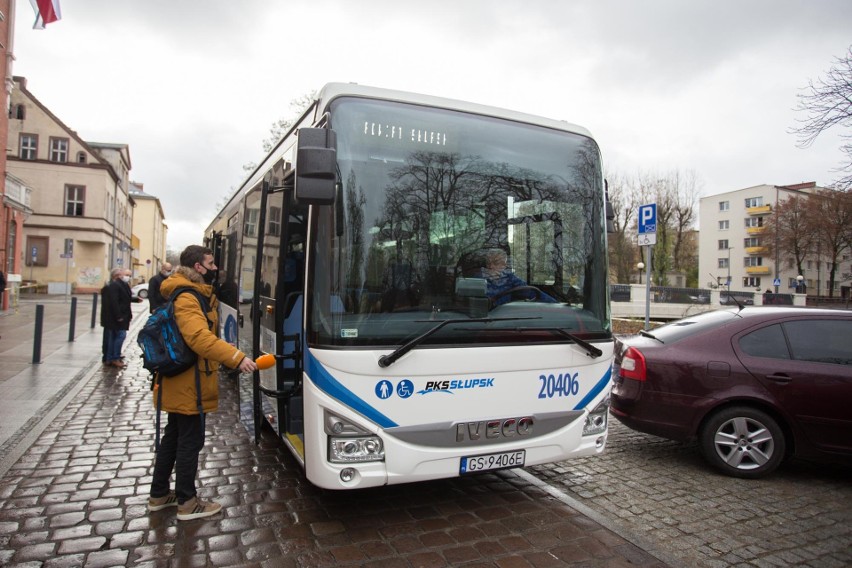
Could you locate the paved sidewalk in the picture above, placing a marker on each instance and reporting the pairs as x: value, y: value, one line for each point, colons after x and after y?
x: 31, y: 392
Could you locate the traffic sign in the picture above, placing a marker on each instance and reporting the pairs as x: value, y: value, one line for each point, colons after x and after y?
x: 776, y: 282
x: 648, y: 219
x: 647, y: 239
x: 35, y: 252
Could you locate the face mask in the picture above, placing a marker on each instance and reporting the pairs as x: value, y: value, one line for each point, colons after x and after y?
x: 209, y: 277
x: 125, y: 279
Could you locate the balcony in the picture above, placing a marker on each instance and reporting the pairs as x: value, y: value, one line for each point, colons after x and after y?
x: 756, y: 250
x: 757, y: 270
x: 762, y: 210
x: 755, y: 230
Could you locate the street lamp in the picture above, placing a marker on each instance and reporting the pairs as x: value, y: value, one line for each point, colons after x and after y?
x: 640, y: 266
x: 799, y: 280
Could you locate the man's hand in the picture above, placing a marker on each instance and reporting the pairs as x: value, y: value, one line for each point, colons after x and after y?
x: 247, y: 365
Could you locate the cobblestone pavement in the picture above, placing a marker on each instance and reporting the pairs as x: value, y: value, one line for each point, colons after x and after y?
x: 77, y: 497
x: 663, y: 491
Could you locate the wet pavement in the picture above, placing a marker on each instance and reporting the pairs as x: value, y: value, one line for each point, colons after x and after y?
x: 74, y: 479
x: 75, y: 483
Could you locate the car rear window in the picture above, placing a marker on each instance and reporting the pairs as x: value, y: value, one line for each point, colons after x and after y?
x: 686, y: 327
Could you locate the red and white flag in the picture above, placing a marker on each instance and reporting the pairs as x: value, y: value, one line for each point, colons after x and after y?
x: 47, y: 12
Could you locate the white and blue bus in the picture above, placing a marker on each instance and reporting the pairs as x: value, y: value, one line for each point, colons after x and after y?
x: 361, y: 253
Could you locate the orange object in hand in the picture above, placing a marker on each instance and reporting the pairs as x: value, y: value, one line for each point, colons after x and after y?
x: 265, y: 361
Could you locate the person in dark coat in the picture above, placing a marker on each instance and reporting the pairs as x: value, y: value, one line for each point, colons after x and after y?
x: 155, y: 298
x: 115, y: 316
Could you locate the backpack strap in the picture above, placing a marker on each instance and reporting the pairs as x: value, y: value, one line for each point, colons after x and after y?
x: 203, y: 303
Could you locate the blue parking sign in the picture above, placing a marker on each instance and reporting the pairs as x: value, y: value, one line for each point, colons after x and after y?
x: 648, y: 218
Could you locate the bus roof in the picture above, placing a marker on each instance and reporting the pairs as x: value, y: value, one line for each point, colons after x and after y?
x: 332, y: 91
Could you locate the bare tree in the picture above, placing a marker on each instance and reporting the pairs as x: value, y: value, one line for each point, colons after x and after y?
x: 623, y: 251
x: 829, y: 215
x: 790, y: 227
x: 828, y: 103
x: 281, y: 126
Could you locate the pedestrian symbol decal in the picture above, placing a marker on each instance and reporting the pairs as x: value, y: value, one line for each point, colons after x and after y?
x: 384, y: 389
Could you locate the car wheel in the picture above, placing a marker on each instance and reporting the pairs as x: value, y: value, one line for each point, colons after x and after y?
x: 742, y: 442
x: 143, y: 294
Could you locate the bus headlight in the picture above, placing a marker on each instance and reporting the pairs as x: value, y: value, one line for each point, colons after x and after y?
x: 361, y: 449
x: 349, y: 443
x: 596, y: 421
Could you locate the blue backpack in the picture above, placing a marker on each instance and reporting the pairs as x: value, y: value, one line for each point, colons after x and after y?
x: 164, y: 352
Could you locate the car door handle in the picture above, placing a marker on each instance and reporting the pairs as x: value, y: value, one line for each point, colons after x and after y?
x: 780, y: 379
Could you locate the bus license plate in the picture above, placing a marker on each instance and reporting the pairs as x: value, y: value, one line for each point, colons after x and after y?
x: 473, y: 464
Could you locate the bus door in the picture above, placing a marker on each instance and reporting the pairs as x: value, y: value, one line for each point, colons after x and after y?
x: 280, y: 285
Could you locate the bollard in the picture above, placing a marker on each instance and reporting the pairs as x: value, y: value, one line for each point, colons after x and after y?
x: 73, y: 322
x: 39, y: 323
x: 94, y: 309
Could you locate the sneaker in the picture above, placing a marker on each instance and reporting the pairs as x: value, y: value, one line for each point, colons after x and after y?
x: 158, y: 503
x: 195, y: 508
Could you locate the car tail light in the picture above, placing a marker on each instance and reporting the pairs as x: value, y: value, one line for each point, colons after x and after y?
x: 633, y: 365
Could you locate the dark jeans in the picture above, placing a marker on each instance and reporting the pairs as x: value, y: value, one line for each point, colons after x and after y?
x: 113, y: 340
x: 179, y: 449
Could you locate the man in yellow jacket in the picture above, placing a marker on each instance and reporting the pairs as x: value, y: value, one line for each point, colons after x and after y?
x: 184, y: 433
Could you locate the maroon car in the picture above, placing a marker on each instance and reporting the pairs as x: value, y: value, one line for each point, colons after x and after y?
x: 753, y: 385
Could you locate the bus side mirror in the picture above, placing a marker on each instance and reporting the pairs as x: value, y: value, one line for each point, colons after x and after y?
x: 316, y: 166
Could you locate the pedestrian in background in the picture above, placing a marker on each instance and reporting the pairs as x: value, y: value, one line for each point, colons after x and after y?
x: 155, y: 298
x: 115, y: 316
x: 2, y: 288
x: 187, y: 397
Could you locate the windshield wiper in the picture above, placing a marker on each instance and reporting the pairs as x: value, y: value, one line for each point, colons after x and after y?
x: 391, y: 358
x: 591, y: 350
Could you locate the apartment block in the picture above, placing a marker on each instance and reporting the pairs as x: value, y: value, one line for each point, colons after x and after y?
x: 733, y: 241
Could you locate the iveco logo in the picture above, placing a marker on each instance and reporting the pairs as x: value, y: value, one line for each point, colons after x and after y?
x: 490, y: 429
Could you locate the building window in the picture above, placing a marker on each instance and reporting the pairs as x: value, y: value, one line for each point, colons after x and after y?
x: 751, y: 282
x: 75, y: 199
x: 275, y: 221
x: 754, y: 202
x: 250, y: 227
x: 724, y: 205
x: 751, y: 242
x: 81, y: 157
x: 723, y: 263
x: 18, y: 112
x: 723, y: 244
x: 724, y: 225
x: 753, y: 261
x: 29, y: 146
x: 754, y: 222
x: 59, y: 150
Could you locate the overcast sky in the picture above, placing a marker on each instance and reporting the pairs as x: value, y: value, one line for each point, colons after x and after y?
x: 193, y: 86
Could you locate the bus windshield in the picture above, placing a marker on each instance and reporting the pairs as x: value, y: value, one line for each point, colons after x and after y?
x: 444, y: 215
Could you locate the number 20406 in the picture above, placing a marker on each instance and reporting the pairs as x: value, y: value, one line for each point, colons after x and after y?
x: 563, y: 384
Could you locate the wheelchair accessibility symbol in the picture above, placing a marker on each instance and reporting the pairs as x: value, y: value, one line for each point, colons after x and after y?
x: 405, y: 388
